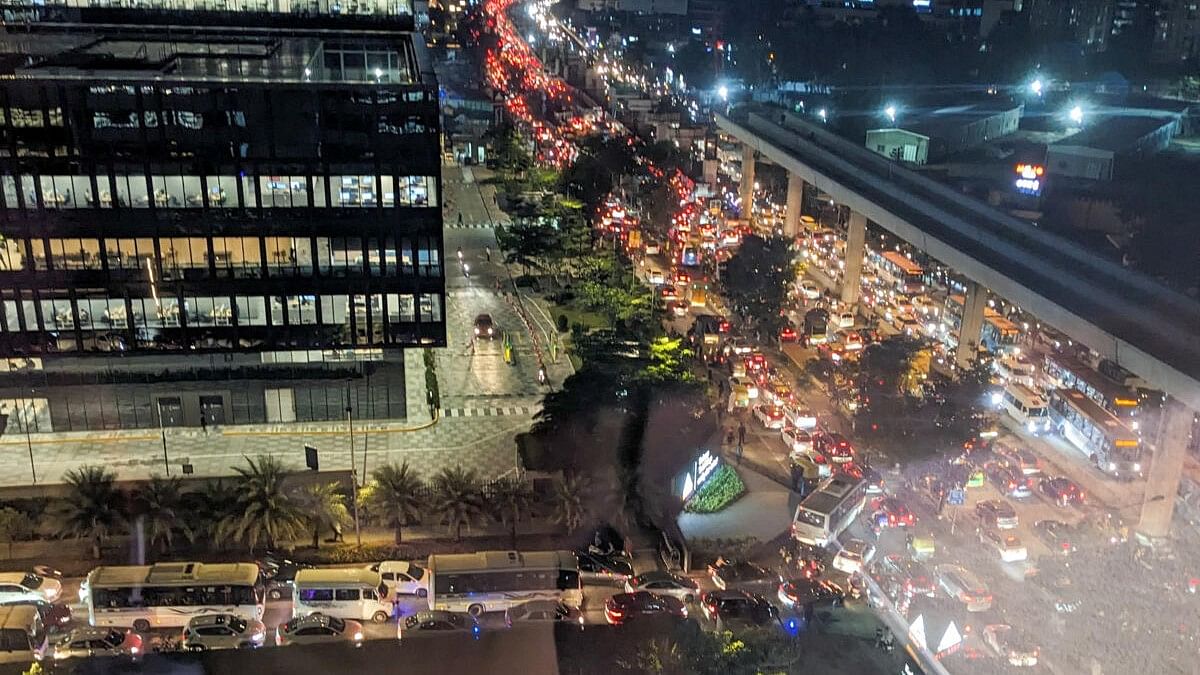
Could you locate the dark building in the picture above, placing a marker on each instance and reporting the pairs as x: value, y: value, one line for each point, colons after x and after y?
x: 239, y: 223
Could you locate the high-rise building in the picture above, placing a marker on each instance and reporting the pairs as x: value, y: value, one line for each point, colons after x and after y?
x: 1177, y: 30
x: 1087, y: 23
x: 227, y: 224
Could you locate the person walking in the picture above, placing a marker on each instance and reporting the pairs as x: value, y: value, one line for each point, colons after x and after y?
x: 203, y: 423
x: 460, y: 219
x: 741, y: 433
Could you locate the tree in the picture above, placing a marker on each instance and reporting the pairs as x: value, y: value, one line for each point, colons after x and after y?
x: 526, y: 242
x: 511, y: 499
x: 569, y: 510
x: 207, y: 509
x: 263, y: 511
x: 14, y: 526
x: 93, y: 506
x: 159, y: 508
x: 324, y: 508
x: 668, y: 362
x: 395, y: 496
x: 457, y: 497
x: 757, y: 278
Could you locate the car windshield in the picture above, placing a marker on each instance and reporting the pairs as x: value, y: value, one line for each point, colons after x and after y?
x: 114, y: 638
x: 237, y: 623
x: 31, y: 580
x: 416, y: 572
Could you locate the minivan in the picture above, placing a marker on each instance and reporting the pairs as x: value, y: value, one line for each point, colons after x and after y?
x: 23, y: 638
x: 403, y: 577
x: 357, y: 594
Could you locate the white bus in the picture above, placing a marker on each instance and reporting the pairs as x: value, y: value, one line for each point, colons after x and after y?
x: 1025, y: 406
x: 353, y: 593
x: 828, y: 510
x: 490, y: 581
x: 1097, y: 433
x: 167, y: 595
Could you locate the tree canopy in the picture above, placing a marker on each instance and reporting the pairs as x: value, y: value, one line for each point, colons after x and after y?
x: 757, y: 278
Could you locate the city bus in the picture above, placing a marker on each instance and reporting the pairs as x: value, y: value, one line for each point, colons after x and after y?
x: 901, y: 273
x: 1067, y: 372
x: 827, y: 511
x: 490, y: 581
x: 998, y: 335
x: 1097, y: 433
x: 1026, y: 407
x: 167, y: 595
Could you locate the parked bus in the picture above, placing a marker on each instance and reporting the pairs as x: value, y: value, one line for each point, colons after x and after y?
x: 490, y: 581
x: 167, y: 595
x: 1097, y: 433
x: 1026, y: 407
x: 353, y: 593
x: 1067, y: 372
x: 827, y: 511
x: 901, y: 273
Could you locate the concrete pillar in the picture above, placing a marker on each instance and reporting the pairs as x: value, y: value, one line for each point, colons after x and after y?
x: 856, y: 240
x: 1163, y: 474
x: 795, y: 199
x: 971, y: 325
x: 747, y: 188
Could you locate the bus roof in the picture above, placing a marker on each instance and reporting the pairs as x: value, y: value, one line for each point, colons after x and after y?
x: 1110, y: 423
x: 489, y: 560
x: 1114, y: 392
x: 1026, y: 395
x: 907, y: 266
x: 358, y: 576
x: 831, y: 493
x: 1002, y: 324
x: 174, y: 574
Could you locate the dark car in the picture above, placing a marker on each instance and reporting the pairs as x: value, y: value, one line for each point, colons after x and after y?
x: 997, y: 514
x: 912, y: 577
x: 624, y: 607
x: 741, y: 606
x: 1061, y: 490
x: 278, y: 574
x: 1057, y: 535
x: 438, y: 621
x: 797, y: 593
x: 1021, y: 459
x: 1008, y: 480
x: 604, y: 567
x: 551, y: 611
x: 485, y: 327
x: 729, y: 573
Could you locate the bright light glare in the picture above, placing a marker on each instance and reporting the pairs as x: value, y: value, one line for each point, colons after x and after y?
x: 1036, y: 87
x: 1077, y: 115
x: 723, y: 92
x: 890, y: 111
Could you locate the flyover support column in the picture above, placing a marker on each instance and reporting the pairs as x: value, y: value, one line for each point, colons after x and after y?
x: 971, y: 325
x: 856, y: 240
x: 795, y: 199
x: 747, y: 187
x: 1163, y: 474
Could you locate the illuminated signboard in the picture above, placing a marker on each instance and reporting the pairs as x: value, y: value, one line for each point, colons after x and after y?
x: 1029, y: 178
x: 700, y: 471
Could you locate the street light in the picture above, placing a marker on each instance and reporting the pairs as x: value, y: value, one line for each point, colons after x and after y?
x: 1076, y: 115
x: 821, y: 114
x: 890, y: 111
x: 1036, y: 86
x: 723, y: 92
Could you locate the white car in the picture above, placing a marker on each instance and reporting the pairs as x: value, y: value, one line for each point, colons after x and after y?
x: 655, y: 278
x: 403, y: 577
x: 855, y: 554
x: 223, y: 631
x: 845, y: 320
x: 20, y: 586
x: 809, y: 290
x: 802, y: 418
x: 746, y: 383
x: 798, y: 441
x: 319, y: 628
x: 664, y: 583
x: 771, y: 416
x: 1008, y: 545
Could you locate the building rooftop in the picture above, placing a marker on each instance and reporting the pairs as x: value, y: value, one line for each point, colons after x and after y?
x: 1117, y: 133
x: 224, y: 54
x: 940, y: 121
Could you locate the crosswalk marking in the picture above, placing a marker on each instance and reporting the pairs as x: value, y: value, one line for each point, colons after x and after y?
x: 468, y: 226
x: 503, y: 411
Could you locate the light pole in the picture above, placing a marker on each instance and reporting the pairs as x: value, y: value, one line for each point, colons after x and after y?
x: 162, y: 432
x: 28, y: 439
x: 353, y: 476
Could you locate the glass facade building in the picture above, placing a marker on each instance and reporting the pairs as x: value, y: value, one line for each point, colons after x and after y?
x: 174, y: 194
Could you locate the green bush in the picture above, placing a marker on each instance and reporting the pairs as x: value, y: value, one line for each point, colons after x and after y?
x: 561, y: 323
x: 723, y: 489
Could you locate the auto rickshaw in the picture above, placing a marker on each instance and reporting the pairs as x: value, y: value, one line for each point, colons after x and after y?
x: 922, y: 547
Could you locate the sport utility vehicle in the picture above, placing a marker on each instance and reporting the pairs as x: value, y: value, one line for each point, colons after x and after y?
x: 723, y: 606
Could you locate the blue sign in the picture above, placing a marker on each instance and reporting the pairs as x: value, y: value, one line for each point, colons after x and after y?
x: 957, y: 497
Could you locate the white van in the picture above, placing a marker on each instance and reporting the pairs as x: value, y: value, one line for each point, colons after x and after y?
x: 23, y: 638
x: 357, y: 594
x: 1026, y: 407
x: 403, y: 577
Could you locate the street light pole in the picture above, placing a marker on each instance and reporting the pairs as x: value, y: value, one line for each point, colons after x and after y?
x: 353, y: 477
x: 162, y: 432
x: 28, y: 439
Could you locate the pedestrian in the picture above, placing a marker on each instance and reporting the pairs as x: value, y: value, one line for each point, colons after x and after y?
x: 460, y: 220
x: 741, y: 433
x: 488, y: 252
x: 203, y: 422
x: 337, y: 533
x: 878, y: 638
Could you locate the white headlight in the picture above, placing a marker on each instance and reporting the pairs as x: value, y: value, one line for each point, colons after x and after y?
x: 358, y: 636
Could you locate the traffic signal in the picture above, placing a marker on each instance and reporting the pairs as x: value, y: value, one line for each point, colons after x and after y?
x: 310, y: 458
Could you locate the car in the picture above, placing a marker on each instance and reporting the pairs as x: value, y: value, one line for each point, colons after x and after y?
x: 681, y: 307
x: 1023, y: 460
x: 834, y: 446
x: 1061, y: 490
x: 796, y: 593
x: 485, y: 327
x: 624, y: 607
x: 669, y: 293
x: 612, y: 568
x: 18, y: 586
x: 738, y: 346
x: 853, y: 341
x: 779, y: 392
x: 738, y: 606
x: 441, y: 622
x: 965, y: 587
x: 729, y: 573
x: 86, y: 642
x: 222, y: 631
x: 318, y: 628
x: 798, y: 441
x: 746, y: 383
x: 1058, y: 536
x: 680, y: 278
x: 54, y: 616
x: 809, y: 290
x: 845, y: 320
x: 913, y: 576
x: 1009, y: 546
x: 788, y: 334
x: 756, y: 362
x: 771, y: 416
x: 996, y: 513
x: 1009, y: 481
x: 865, y: 473
x: 278, y: 574
x: 403, y: 577
x: 891, y: 512
x: 1010, y: 645
x: 664, y: 583
x: 802, y: 418
x: 854, y: 555
x: 536, y: 611
x: 655, y: 278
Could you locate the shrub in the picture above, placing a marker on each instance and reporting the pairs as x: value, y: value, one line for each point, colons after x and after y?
x: 723, y: 489
x: 561, y: 323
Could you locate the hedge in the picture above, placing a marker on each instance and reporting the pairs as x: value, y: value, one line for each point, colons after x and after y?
x: 723, y: 489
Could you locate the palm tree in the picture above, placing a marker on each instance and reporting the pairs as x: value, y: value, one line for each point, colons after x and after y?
x: 510, y: 499
x: 208, y: 508
x: 662, y: 656
x: 263, y: 512
x: 396, y: 496
x: 324, y: 507
x: 458, y: 498
x: 160, y: 508
x: 93, y: 508
x: 569, y: 509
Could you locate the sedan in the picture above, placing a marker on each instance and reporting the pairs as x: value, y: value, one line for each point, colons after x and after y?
x: 738, y: 606
x: 997, y: 514
x: 802, y: 418
x: 319, y: 628
x: 439, y: 622
x: 595, y: 567
x: 1061, y: 490
x: 788, y: 334
x: 624, y: 607
x: 729, y: 573
x: 1009, y: 645
x: 845, y: 320
x: 1057, y: 535
x: 1009, y: 481
x: 84, y: 642
x: 1009, y: 546
x: 485, y: 327
x: 797, y: 593
x: 664, y: 583
x: 1024, y: 460
x: 771, y: 416
x: 891, y: 512
x: 854, y: 555
x: 223, y: 631
x: 669, y: 293
x: 853, y: 341
x: 965, y: 587
x: 798, y: 441
x: 809, y: 290
x: 914, y: 578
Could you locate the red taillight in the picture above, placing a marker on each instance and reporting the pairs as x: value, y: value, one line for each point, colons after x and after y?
x: 1066, y: 546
